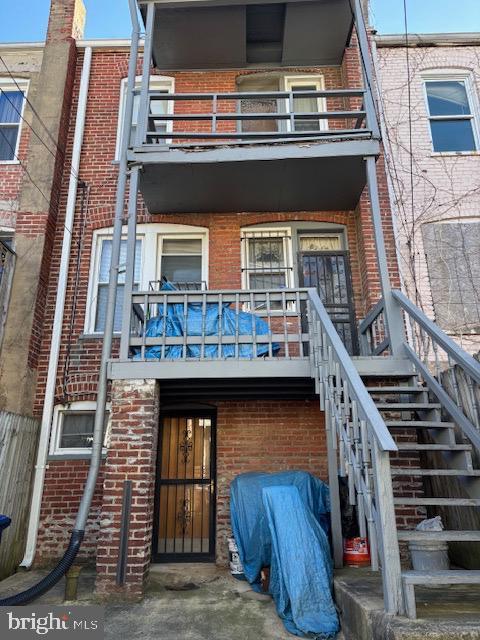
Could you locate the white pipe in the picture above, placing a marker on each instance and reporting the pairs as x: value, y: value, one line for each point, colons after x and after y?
x: 58, y: 318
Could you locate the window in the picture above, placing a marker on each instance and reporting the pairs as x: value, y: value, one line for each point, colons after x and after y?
x: 452, y: 251
x: 306, y: 104
x: 181, y: 261
x: 158, y: 84
x: 73, y: 426
x: 267, y: 259
x: 105, y: 256
x: 11, y: 111
x: 177, y: 252
x: 451, y: 115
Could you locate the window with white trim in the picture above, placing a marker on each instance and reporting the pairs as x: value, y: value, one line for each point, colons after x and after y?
x: 451, y: 113
x: 176, y: 252
x: 72, y: 428
x: 12, y: 102
x: 307, y: 104
x: 158, y: 84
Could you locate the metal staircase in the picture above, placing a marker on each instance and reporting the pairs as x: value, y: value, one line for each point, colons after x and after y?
x: 392, y: 429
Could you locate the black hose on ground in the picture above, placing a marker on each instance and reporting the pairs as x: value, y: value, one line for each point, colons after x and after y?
x: 24, y: 597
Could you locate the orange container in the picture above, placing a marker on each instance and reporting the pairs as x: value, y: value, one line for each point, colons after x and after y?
x: 356, y: 552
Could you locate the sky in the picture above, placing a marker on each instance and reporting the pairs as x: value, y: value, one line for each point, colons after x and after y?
x: 26, y: 20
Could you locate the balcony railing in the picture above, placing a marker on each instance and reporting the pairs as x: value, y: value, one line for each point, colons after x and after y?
x: 220, y: 325
x: 199, y: 118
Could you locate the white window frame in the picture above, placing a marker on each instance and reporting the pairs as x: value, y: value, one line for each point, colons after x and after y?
x: 454, y: 75
x: 289, y: 267
x: 183, y: 236
x: 81, y: 406
x: 157, y: 83
x: 10, y: 84
x: 289, y: 83
x: 150, y: 264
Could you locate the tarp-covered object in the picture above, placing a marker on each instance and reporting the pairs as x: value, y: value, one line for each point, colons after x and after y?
x: 194, y: 323
x: 281, y: 520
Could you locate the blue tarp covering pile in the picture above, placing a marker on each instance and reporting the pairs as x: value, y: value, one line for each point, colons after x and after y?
x: 193, y: 324
x: 281, y: 520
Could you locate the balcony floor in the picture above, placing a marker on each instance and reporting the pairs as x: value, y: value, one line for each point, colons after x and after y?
x: 300, y: 176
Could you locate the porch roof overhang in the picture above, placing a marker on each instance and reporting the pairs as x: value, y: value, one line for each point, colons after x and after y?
x: 307, y: 176
x: 203, y: 34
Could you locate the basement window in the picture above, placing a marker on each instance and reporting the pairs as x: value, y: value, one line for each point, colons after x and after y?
x: 12, y: 101
x: 73, y: 426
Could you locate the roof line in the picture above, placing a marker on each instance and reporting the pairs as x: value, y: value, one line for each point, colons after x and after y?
x: 458, y: 39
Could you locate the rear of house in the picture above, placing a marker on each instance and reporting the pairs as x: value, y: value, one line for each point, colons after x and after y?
x: 257, y: 189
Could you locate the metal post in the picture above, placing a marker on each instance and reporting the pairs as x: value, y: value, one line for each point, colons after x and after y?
x: 133, y: 187
x: 367, y: 69
x: 97, y: 444
x: 393, y: 314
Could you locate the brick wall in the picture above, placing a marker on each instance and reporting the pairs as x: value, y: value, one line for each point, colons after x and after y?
x: 265, y: 436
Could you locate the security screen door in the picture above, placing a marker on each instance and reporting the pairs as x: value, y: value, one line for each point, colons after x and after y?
x: 185, y: 497
x: 329, y: 272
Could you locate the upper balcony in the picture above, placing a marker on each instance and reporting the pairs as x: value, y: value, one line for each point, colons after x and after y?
x: 285, y: 140
x: 226, y: 34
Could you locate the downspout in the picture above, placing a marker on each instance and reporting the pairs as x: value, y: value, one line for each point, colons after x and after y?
x: 79, y: 528
x: 58, y: 317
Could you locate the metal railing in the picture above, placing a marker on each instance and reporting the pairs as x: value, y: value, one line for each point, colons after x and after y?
x: 216, y: 325
x: 7, y: 266
x: 211, y: 117
x: 359, y: 446
x: 374, y: 339
x: 451, y: 374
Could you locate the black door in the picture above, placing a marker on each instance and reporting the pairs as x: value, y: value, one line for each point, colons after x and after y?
x: 184, y: 525
x: 329, y: 272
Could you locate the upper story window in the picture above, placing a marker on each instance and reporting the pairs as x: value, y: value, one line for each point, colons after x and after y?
x: 12, y: 100
x: 451, y: 113
x: 301, y: 105
x: 176, y: 252
x: 158, y: 84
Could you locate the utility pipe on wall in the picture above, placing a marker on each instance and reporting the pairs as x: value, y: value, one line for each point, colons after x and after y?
x: 43, y: 444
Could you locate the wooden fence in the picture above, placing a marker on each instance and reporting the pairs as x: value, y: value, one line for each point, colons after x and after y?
x: 18, y: 445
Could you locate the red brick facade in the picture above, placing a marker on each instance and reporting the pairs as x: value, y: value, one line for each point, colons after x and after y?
x: 251, y: 435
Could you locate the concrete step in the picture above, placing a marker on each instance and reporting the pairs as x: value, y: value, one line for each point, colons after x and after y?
x: 438, y: 502
x: 440, y: 536
x: 419, y: 424
x: 406, y: 471
x: 413, y: 446
x: 407, y: 406
x: 411, y: 579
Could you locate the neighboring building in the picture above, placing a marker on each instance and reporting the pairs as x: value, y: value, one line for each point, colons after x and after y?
x: 438, y: 223
x: 257, y: 186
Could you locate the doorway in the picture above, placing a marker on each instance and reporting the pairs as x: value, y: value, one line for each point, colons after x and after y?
x: 184, y: 520
x: 329, y: 273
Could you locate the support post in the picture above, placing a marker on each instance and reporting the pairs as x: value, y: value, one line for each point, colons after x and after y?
x: 393, y: 314
x: 335, y: 513
x: 385, y: 523
x: 134, y: 180
x: 367, y: 69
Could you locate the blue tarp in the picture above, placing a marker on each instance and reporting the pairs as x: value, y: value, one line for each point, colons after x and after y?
x: 177, y: 324
x: 281, y: 521
x: 4, y: 523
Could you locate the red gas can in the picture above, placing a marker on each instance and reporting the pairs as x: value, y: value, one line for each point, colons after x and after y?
x: 356, y: 552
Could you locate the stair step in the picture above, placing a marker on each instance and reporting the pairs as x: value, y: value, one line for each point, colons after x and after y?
x: 471, y: 576
x: 407, y: 406
x: 413, y: 446
x: 441, y: 536
x: 405, y: 471
x: 419, y: 424
x: 399, y: 389
x: 439, y: 502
